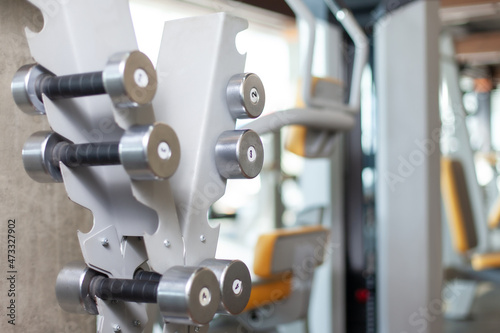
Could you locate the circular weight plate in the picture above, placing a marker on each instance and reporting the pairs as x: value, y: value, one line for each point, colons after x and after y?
x: 139, y: 78
x: 37, y: 157
x: 234, y: 281
x: 250, y: 154
x: 204, y: 296
x: 23, y: 89
x: 246, y: 96
x: 72, y: 289
x: 150, y: 152
x: 188, y: 295
x: 236, y: 287
x: 130, y: 79
x: 239, y: 154
x: 164, y: 151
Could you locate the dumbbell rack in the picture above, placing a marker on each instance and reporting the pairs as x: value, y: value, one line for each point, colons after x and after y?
x: 159, y: 225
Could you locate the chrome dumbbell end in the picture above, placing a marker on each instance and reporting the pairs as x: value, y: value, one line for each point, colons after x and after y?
x: 185, y: 295
x: 129, y: 79
x: 188, y: 295
x: 235, y: 284
x: 23, y: 88
x: 72, y: 285
x: 239, y: 154
x: 246, y: 96
x: 37, y: 157
x: 150, y: 152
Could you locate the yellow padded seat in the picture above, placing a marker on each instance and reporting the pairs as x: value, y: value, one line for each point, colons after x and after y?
x: 485, y: 261
x: 268, y: 263
x: 269, y: 291
x: 494, y: 215
x: 274, y: 262
x: 296, y: 136
x: 457, y: 205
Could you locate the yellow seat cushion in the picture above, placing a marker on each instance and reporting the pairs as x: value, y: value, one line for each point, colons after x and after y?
x: 295, y: 139
x: 269, y: 291
x: 457, y: 205
x: 485, y: 261
x: 275, y: 259
x: 266, y: 266
x: 494, y: 215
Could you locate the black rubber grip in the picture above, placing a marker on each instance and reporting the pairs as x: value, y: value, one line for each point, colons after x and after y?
x: 78, y: 85
x: 88, y: 154
x: 147, y: 276
x: 124, y: 290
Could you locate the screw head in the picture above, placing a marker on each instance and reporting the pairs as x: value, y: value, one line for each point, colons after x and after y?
x: 137, y: 323
x: 117, y: 328
x: 197, y: 329
x: 105, y: 242
x: 205, y: 296
x: 251, y: 154
x: 203, y: 239
x: 166, y: 243
x: 164, y: 151
x: 237, y: 286
x: 254, y: 96
x: 141, y: 78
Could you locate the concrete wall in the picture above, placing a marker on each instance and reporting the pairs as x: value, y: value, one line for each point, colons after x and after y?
x: 46, y: 221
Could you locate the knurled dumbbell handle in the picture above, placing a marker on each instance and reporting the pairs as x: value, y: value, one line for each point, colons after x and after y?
x: 147, y: 276
x: 78, y: 85
x: 88, y: 154
x: 124, y: 290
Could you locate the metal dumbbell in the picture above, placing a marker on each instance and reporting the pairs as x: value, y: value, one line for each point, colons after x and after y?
x: 185, y: 295
x: 72, y: 289
x: 234, y: 282
x: 129, y: 79
x: 146, y: 152
x: 188, y: 295
x: 239, y: 154
x: 246, y: 96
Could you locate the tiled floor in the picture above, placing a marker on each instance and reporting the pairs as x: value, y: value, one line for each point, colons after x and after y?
x: 485, y: 313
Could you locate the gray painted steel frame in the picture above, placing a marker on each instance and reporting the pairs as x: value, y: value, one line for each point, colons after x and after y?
x: 408, y: 192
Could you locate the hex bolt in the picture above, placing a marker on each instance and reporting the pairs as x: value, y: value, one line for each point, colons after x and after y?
x: 139, y: 151
x: 239, y: 154
x: 245, y: 96
x: 105, y: 242
x: 129, y: 78
x: 117, y: 328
